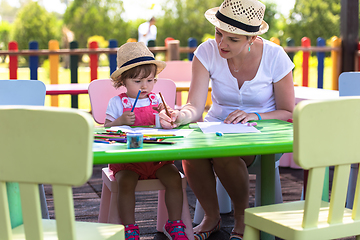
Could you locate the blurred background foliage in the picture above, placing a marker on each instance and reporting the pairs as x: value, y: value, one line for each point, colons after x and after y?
x: 181, y: 19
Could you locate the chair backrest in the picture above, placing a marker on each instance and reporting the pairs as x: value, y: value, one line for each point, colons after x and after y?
x: 178, y: 71
x: 22, y: 92
x: 349, y: 84
x: 44, y: 145
x: 322, y: 138
x: 102, y: 90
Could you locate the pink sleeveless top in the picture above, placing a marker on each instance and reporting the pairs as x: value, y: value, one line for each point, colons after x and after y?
x: 143, y: 115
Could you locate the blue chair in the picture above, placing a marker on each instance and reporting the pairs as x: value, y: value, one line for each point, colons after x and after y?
x: 349, y: 85
x: 22, y: 92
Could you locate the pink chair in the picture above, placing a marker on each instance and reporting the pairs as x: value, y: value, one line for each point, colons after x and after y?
x: 178, y: 71
x: 100, y: 92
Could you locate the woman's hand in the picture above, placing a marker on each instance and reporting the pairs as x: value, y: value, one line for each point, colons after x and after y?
x: 240, y: 116
x: 169, y: 122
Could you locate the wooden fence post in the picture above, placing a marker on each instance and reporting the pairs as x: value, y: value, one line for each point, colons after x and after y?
x: 93, y: 61
x: 54, y: 69
x: 320, y: 68
x: 275, y: 40
x: 305, y: 42
x: 191, y: 43
x: 13, y: 60
x: 74, y: 66
x: 112, y: 56
x: 336, y: 62
x: 33, y: 61
x: 173, y: 50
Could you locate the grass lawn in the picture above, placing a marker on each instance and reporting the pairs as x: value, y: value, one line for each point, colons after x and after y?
x: 104, y: 72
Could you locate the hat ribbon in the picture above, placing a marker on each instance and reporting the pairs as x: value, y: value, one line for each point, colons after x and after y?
x: 236, y: 24
x: 136, y: 60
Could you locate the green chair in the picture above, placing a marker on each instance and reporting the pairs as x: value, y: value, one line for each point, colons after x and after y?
x: 50, y: 146
x: 322, y: 138
x: 22, y: 92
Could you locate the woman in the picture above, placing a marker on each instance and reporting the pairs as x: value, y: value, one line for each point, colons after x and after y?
x: 251, y: 79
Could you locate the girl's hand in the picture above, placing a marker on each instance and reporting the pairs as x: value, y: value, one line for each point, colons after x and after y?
x: 127, y: 118
x: 240, y: 116
x: 167, y: 122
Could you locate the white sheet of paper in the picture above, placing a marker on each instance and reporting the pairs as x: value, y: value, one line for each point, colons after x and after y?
x: 213, y: 127
x: 149, y: 131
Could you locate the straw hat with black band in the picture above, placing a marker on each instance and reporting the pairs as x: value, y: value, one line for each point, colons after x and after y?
x: 133, y: 54
x: 243, y: 17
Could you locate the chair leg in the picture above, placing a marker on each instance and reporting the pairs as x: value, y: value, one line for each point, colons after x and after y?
x: 251, y: 233
x: 199, y: 213
x: 44, y: 208
x: 162, y: 213
x: 113, y: 213
x: 223, y: 198
x: 325, y: 193
x: 104, y: 204
x: 352, y: 185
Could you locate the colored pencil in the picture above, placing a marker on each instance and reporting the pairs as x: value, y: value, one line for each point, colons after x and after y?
x: 158, y: 142
x: 137, y: 97
x: 166, y: 109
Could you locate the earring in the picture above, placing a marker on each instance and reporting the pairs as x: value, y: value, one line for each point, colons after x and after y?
x: 249, y: 46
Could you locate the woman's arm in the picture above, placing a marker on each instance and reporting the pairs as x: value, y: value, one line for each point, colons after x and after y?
x: 195, y: 106
x: 284, y: 99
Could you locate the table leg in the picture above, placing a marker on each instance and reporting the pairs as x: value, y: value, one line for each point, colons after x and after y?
x: 267, y: 184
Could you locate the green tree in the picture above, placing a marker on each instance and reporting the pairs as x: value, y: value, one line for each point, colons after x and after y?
x: 34, y: 23
x: 95, y: 17
x: 313, y: 19
x: 7, y: 12
x: 185, y: 18
x: 271, y: 17
x: 5, y: 29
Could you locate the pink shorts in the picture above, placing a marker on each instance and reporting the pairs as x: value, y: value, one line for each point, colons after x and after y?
x: 146, y: 170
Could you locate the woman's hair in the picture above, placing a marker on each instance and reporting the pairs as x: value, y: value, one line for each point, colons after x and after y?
x: 141, y: 71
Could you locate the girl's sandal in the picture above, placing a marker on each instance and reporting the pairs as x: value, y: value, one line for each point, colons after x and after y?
x: 236, y: 236
x: 205, y: 235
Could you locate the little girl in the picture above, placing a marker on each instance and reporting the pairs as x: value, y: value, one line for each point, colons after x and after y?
x: 137, y: 69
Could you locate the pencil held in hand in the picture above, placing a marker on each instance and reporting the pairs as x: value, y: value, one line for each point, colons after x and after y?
x: 137, y: 98
x: 166, y: 109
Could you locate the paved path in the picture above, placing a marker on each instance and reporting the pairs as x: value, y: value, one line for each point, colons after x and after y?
x: 87, y: 202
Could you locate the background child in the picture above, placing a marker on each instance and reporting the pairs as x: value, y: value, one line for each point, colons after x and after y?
x: 137, y: 69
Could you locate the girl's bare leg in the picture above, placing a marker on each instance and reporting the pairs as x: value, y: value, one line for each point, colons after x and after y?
x: 170, y: 178
x: 127, y: 181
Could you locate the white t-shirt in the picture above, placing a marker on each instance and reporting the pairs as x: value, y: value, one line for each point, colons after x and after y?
x: 150, y: 34
x: 256, y: 95
x: 115, y: 107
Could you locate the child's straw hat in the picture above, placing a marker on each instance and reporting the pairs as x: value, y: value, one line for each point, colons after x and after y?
x: 133, y: 54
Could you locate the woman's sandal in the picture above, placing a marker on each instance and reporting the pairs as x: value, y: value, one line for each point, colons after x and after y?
x: 236, y: 236
x: 205, y: 235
